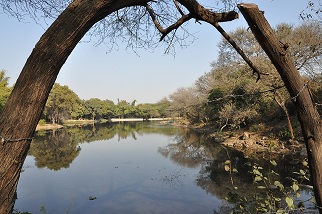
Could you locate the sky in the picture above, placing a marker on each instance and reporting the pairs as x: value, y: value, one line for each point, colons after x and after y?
x: 93, y: 72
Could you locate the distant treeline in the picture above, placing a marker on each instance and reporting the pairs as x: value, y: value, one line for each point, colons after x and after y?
x: 64, y: 104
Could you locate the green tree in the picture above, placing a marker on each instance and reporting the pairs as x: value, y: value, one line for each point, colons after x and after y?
x: 149, y: 110
x: 63, y: 104
x: 108, y: 109
x: 96, y: 109
x: 5, y: 90
x: 305, y: 52
x: 163, y: 107
x: 307, y: 113
x: 123, y: 108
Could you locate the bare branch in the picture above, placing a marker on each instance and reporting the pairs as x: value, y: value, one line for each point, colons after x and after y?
x: 239, y: 50
x: 178, y: 7
x: 166, y: 31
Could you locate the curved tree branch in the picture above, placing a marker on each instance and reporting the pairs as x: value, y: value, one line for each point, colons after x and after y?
x: 166, y: 31
x: 239, y: 50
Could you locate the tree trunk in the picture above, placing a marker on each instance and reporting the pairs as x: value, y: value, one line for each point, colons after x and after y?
x: 23, y: 109
x: 307, y: 113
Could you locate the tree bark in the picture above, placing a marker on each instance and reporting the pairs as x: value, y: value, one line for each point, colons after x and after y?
x: 21, y: 113
x: 307, y: 113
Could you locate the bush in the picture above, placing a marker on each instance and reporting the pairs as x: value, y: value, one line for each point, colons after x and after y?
x: 42, y: 122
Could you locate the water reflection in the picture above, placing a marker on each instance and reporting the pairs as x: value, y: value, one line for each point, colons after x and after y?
x: 135, y: 168
x: 195, y: 150
x: 57, y: 149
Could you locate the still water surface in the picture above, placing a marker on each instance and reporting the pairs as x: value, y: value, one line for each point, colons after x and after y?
x: 128, y: 168
x: 125, y: 168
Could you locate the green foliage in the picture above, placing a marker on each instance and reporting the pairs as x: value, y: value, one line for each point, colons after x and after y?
x: 123, y: 109
x: 42, y: 122
x: 271, y: 194
x: 149, y: 110
x: 215, y: 101
x: 95, y: 108
x: 62, y: 104
x: 5, y: 90
x: 229, y: 95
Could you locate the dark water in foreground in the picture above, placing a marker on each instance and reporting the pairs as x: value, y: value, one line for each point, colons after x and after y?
x: 129, y: 168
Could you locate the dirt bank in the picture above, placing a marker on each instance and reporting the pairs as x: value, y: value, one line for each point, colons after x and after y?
x: 66, y: 123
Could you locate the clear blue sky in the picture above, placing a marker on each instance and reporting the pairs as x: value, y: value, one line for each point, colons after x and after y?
x: 91, y: 72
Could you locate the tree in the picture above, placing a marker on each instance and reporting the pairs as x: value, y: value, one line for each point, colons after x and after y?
x: 306, y: 110
x: 108, y: 109
x: 189, y: 103
x: 62, y: 104
x: 5, y: 90
x: 152, y: 110
x: 163, y: 106
x: 123, y: 108
x: 305, y: 43
x: 97, y: 109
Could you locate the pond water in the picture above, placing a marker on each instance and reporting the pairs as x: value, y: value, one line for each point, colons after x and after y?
x: 141, y: 167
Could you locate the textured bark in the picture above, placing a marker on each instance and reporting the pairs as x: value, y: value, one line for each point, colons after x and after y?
x: 306, y: 111
x: 20, y: 116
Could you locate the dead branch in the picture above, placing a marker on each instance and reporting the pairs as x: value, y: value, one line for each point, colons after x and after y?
x: 166, y: 31
x: 239, y: 50
x: 178, y: 7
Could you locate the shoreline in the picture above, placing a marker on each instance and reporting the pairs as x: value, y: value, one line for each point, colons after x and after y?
x: 242, y: 140
x: 250, y: 142
x: 67, y: 123
x: 50, y: 126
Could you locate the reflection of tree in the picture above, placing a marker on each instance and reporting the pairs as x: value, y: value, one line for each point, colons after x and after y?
x: 55, y: 152
x: 58, y: 149
x: 192, y: 150
x: 213, y: 178
x: 189, y: 149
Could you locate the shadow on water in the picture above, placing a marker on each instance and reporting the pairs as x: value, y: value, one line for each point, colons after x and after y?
x: 56, y: 150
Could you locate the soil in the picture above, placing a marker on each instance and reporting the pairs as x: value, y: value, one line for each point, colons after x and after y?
x: 48, y: 126
x: 67, y: 123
